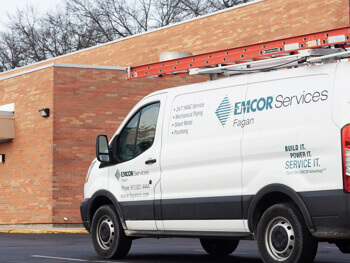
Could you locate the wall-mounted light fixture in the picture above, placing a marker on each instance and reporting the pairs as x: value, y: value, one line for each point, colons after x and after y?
x: 2, y: 158
x: 44, y: 112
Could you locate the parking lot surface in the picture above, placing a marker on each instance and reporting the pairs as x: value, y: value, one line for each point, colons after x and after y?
x: 65, y: 248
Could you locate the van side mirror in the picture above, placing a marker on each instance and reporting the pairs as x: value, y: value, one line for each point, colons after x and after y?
x: 103, y: 153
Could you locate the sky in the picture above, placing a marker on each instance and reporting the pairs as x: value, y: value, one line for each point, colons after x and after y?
x: 10, y: 6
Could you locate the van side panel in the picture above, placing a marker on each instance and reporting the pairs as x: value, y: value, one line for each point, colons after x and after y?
x: 201, y: 159
x: 341, y: 105
x: 98, y: 180
x: 295, y: 142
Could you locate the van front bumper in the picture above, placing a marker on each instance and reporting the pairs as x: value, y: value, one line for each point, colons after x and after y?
x: 84, y: 213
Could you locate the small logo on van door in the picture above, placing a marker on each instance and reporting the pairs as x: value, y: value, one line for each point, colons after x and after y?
x: 117, y: 175
x: 224, y: 111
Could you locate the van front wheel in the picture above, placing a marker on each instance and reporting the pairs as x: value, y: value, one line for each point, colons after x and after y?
x: 283, y: 236
x: 219, y: 247
x: 107, y: 234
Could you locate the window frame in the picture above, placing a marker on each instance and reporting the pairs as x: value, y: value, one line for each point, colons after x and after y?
x: 115, y: 141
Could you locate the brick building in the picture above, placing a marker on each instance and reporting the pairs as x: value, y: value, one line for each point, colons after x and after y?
x: 46, y: 159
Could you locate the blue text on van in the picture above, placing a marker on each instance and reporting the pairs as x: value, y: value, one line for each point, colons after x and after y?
x: 253, y: 105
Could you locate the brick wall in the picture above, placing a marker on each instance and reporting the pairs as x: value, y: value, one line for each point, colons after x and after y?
x: 26, y: 175
x: 89, y: 102
x: 43, y: 177
x: 255, y: 23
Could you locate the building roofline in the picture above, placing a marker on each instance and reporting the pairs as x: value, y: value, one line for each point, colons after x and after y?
x: 63, y: 65
x: 136, y: 35
x: 60, y: 65
x: 6, y: 113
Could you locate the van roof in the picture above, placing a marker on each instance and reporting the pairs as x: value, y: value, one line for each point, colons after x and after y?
x: 243, y: 79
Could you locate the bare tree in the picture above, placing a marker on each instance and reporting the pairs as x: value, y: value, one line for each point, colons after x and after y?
x: 86, y: 14
x: 112, y: 18
x: 222, y: 4
x: 64, y: 34
x: 196, y: 8
x: 32, y: 36
x: 25, y: 24
x: 11, y: 51
x: 167, y: 12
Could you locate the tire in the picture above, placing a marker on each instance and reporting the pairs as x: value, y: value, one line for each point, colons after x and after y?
x: 283, y: 236
x: 107, y: 234
x: 219, y: 247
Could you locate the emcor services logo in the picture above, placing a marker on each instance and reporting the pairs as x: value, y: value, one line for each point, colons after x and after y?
x: 224, y: 110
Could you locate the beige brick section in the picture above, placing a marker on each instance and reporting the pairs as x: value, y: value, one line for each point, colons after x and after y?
x: 26, y: 175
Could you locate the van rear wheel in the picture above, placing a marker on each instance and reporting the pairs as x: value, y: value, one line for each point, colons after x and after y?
x: 283, y: 236
x: 219, y: 247
x: 107, y: 234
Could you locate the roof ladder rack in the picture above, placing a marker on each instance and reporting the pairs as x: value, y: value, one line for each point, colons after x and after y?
x: 321, y: 47
x: 303, y: 57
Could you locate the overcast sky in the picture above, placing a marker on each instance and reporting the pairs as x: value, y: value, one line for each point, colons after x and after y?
x: 10, y: 6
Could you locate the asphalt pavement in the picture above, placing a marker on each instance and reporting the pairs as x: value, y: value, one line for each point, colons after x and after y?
x: 65, y: 248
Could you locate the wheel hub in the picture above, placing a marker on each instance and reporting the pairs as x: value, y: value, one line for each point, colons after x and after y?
x: 280, y: 239
x: 105, y: 234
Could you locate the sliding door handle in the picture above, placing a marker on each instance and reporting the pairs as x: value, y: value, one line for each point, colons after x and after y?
x: 150, y: 161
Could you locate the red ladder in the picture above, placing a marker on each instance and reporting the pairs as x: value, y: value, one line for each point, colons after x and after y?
x: 289, y: 46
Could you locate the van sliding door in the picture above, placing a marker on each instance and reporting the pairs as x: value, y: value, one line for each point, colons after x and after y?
x: 201, y: 158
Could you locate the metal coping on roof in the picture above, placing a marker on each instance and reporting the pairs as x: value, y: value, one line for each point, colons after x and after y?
x: 6, y: 113
x: 58, y: 65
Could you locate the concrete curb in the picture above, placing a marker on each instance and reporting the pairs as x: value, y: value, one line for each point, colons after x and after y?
x: 38, y: 231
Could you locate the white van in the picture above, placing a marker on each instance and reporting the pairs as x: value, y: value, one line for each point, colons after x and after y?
x: 262, y: 156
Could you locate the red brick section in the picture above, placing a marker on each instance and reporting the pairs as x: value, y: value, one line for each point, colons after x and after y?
x: 26, y: 176
x: 260, y: 22
x: 89, y: 102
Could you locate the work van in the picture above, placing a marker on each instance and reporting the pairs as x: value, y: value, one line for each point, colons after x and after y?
x: 262, y: 156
